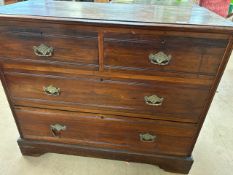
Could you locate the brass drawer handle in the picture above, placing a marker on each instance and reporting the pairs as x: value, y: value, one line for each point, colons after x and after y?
x: 146, y: 137
x: 154, y: 100
x: 57, y: 129
x: 160, y: 58
x: 51, y: 90
x: 43, y: 50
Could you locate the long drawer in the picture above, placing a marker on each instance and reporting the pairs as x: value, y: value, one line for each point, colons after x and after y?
x: 122, y: 133
x: 127, y: 97
x: 79, y: 49
x: 162, y: 54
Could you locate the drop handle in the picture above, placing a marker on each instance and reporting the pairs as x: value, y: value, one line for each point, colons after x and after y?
x: 160, y: 58
x: 147, y: 137
x: 43, y: 50
x: 57, y: 129
x: 52, y: 90
x: 154, y: 100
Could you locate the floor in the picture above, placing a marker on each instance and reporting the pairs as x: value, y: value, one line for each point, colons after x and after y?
x: 213, y: 153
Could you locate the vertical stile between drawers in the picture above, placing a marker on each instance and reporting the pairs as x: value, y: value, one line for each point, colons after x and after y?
x: 101, y: 51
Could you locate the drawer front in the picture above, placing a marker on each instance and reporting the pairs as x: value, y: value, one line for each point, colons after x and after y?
x: 81, y: 51
x: 122, y: 133
x: 162, y: 55
x: 153, y: 100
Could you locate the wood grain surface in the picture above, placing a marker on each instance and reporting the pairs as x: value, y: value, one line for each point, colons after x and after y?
x: 100, y: 66
x: 117, y: 14
x: 130, y: 53
x: 121, y: 133
x: 110, y: 95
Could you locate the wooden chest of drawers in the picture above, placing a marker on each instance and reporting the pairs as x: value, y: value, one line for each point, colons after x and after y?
x: 111, y: 85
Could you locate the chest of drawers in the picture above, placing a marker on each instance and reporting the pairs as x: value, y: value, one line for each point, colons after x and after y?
x: 111, y: 85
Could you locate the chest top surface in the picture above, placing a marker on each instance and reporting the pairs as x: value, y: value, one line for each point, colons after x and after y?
x: 114, y: 13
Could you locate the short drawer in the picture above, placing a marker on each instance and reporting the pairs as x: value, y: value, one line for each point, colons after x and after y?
x: 104, y: 131
x: 162, y: 55
x: 61, y: 49
x: 128, y: 97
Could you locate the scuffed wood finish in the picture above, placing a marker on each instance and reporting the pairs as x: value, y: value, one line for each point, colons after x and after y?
x: 101, y: 51
x: 100, y: 65
x: 108, y: 95
x: 130, y: 53
x: 118, y: 14
x: 68, y: 48
x: 171, y: 139
x: 42, y: 68
x: 168, y: 163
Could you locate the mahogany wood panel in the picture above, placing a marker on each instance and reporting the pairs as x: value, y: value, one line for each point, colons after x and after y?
x: 111, y: 95
x: 199, y: 81
x: 100, y: 63
x: 80, y: 29
x: 123, y: 14
x: 113, y: 132
x: 130, y: 53
x: 213, y: 90
x: 80, y: 51
x: 178, y: 164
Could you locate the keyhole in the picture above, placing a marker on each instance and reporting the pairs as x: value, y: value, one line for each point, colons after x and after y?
x: 163, y: 42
